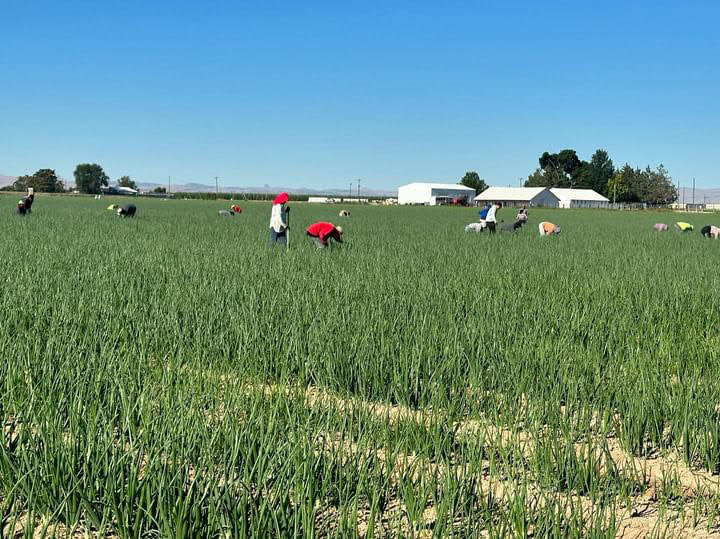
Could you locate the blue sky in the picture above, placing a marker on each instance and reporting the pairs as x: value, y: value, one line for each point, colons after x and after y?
x: 317, y: 94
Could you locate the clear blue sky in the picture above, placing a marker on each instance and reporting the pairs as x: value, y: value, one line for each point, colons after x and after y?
x: 316, y: 94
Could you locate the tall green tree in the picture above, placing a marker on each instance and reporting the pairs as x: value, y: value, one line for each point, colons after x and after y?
x: 556, y: 170
x: 619, y: 186
x: 660, y: 188
x: 20, y: 184
x: 601, y: 170
x: 539, y: 179
x: 46, y: 181
x: 473, y: 180
x: 125, y: 181
x: 648, y: 186
x: 90, y: 178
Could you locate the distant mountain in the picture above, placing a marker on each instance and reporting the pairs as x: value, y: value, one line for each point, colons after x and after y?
x: 7, y: 180
x: 201, y: 188
x: 702, y: 196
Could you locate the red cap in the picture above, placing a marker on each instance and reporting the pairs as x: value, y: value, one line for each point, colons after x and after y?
x: 282, y: 198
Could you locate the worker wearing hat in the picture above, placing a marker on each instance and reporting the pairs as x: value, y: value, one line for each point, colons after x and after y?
x: 279, y: 220
x: 547, y: 228
x: 321, y: 233
x: 710, y: 231
x: 21, y: 210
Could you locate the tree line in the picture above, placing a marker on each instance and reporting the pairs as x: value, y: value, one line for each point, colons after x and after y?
x: 627, y: 184
x: 566, y: 169
x: 89, y: 179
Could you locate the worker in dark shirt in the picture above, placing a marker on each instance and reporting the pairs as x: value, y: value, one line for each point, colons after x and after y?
x: 321, y: 233
x: 126, y: 211
x: 28, y: 201
x: 20, y: 209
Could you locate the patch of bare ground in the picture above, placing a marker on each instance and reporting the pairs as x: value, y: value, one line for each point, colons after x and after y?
x: 645, y: 515
x: 45, y: 527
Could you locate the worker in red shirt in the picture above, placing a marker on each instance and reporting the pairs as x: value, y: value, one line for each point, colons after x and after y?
x: 321, y: 233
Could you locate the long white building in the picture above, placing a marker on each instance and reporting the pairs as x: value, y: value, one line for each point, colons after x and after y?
x: 433, y: 194
x: 580, y: 198
x: 519, y: 196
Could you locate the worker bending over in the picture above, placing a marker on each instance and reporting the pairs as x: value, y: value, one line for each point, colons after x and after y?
x: 522, y: 215
x: 279, y: 220
x: 660, y: 227
x: 491, y: 217
x: 512, y: 227
x: 28, y: 202
x: 683, y: 227
x: 20, y: 209
x: 321, y: 233
x: 546, y: 228
x: 126, y: 211
x: 710, y: 231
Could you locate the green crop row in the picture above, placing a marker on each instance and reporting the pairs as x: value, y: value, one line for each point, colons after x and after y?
x: 155, y: 372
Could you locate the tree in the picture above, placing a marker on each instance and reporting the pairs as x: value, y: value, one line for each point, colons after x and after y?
x: 660, y: 189
x: 618, y: 187
x: 21, y: 183
x: 472, y: 179
x: 538, y: 179
x: 557, y: 169
x: 159, y: 190
x: 90, y: 178
x: 125, y: 181
x: 601, y: 170
x: 46, y: 181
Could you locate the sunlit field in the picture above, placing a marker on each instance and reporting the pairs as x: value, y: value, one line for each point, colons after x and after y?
x: 173, y: 376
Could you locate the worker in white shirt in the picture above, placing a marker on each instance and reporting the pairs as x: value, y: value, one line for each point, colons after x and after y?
x: 279, y: 220
x: 491, y: 217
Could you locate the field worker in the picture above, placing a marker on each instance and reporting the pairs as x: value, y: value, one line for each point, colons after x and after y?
x: 683, y: 227
x: 235, y: 208
x: 475, y: 227
x: 28, y: 202
x: 546, y: 228
x: 126, y: 211
x: 321, y: 233
x: 710, y: 231
x: 344, y: 213
x: 279, y: 220
x: 522, y: 215
x: 20, y: 209
x: 491, y: 217
x: 112, y: 207
x: 511, y: 227
x: 660, y: 227
x: 226, y: 213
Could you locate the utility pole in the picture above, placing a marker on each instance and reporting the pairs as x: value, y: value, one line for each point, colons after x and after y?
x: 216, y: 188
x: 520, y: 182
x: 350, y: 192
x: 358, y: 189
x: 693, y: 191
x: 168, y: 185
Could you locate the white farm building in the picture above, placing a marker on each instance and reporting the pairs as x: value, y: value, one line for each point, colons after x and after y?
x: 580, y: 198
x: 434, y: 194
x: 519, y: 196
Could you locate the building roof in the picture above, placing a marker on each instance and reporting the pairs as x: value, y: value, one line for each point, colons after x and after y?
x: 510, y: 193
x: 578, y: 194
x: 453, y: 186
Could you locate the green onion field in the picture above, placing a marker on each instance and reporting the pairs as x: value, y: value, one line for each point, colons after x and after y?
x: 173, y: 376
